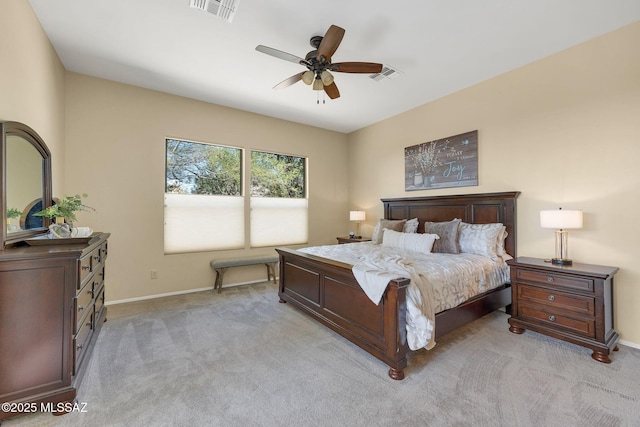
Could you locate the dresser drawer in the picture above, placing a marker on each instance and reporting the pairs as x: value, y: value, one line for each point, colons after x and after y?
x: 96, y: 258
x: 82, y: 304
x: 99, y: 304
x: 552, y: 279
x: 103, y: 251
x: 85, y: 269
x: 558, y: 320
x: 98, y: 278
x: 557, y: 299
x: 89, y: 264
x: 81, y: 342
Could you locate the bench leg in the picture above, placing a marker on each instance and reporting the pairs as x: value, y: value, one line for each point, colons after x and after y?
x: 271, y: 271
x: 218, y: 282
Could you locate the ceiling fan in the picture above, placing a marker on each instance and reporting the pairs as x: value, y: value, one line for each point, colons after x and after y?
x: 319, y: 65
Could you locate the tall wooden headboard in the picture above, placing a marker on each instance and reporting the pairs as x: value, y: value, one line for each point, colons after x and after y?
x: 481, y: 208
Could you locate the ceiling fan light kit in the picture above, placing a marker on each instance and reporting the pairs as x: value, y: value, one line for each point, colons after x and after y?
x: 319, y: 65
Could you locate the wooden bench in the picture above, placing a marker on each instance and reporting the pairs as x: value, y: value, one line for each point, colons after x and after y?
x: 221, y: 265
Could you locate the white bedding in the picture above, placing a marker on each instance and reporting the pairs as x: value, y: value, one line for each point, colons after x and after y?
x: 438, y: 281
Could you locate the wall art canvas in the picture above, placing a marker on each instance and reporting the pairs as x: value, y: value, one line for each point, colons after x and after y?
x: 447, y: 162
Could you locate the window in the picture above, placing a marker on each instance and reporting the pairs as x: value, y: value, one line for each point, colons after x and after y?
x: 205, y: 198
x: 278, y: 199
x: 204, y: 207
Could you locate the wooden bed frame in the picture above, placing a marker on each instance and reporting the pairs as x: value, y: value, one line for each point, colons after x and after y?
x: 327, y: 291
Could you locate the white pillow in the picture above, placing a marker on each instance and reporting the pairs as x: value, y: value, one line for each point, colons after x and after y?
x: 397, y: 225
x: 409, y: 241
x: 480, y: 239
x: 411, y: 226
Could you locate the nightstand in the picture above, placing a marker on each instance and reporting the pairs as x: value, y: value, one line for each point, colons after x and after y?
x: 348, y: 239
x: 572, y: 303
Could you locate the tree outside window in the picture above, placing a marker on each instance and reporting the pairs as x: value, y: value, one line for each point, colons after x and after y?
x: 205, y: 202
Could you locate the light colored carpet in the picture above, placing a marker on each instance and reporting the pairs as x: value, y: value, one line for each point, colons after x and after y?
x: 242, y: 359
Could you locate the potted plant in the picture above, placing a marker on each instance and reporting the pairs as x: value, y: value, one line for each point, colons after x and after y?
x: 63, y: 214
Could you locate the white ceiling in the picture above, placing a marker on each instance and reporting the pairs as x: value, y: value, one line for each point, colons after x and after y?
x: 440, y: 46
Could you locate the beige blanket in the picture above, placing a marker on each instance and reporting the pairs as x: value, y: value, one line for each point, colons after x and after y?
x: 438, y: 281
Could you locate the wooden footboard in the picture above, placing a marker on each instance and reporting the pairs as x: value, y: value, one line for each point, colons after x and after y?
x: 328, y: 291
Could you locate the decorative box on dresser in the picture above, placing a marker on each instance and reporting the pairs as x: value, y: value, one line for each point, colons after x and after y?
x: 572, y: 303
x: 51, y: 311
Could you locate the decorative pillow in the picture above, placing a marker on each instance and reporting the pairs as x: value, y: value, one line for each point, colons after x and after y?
x: 480, y: 239
x: 448, y: 232
x: 409, y: 241
x: 411, y: 226
x: 502, y: 235
x: 391, y: 224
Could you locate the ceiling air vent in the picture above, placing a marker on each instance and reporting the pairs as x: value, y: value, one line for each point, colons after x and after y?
x: 386, y: 73
x: 224, y: 9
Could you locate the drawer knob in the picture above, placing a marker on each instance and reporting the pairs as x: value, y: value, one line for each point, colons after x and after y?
x: 80, y: 308
x: 552, y: 318
x: 550, y: 279
x: 86, y: 267
x: 551, y: 298
x: 79, y: 347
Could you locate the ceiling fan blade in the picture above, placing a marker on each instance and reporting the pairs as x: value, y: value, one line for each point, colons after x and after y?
x: 288, y: 82
x: 332, y: 91
x: 280, y: 54
x: 329, y: 43
x: 356, y: 67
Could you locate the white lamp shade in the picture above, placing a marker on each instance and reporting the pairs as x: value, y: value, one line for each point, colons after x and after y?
x: 356, y: 215
x: 561, y: 219
x: 327, y: 78
x: 308, y: 77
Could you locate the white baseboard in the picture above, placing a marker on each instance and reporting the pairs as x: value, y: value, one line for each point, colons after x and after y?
x: 168, y: 294
x: 630, y: 344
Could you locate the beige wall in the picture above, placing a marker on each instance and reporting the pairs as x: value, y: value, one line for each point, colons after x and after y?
x: 115, y: 152
x: 564, y: 131
x: 32, y: 80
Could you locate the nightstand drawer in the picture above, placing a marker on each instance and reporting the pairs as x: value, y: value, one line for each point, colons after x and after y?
x: 553, y: 298
x: 550, y: 317
x: 551, y: 279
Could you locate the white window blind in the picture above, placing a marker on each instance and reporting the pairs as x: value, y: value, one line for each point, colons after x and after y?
x: 196, y: 223
x: 278, y: 221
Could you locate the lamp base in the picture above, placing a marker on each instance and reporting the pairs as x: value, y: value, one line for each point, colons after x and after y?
x: 561, y: 261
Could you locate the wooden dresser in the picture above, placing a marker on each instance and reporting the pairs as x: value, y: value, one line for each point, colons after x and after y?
x: 573, y: 303
x: 51, y: 311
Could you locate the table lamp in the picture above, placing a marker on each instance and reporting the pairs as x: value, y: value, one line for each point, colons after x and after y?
x: 561, y: 220
x: 357, y: 216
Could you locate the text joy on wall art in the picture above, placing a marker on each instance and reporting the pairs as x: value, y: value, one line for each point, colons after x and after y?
x: 447, y: 162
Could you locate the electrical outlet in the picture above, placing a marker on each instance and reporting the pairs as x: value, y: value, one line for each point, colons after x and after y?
x: 154, y: 274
